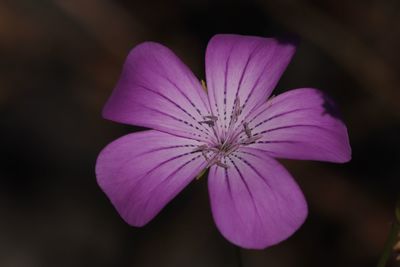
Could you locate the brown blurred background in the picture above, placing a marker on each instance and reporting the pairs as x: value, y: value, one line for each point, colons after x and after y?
x: 59, y: 61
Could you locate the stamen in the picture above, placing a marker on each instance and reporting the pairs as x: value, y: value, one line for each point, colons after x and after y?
x: 214, y: 153
x: 209, y: 123
x: 205, y: 155
x: 251, y: 139
x: 204, y: 149
x: 209, y: 120
x: 232, y: 149
x: 236, y: 110
x: 236, y: 105
x: 213, y: 160
x: 211, y: 117
x: 200, y: 148
x: 247, y: 129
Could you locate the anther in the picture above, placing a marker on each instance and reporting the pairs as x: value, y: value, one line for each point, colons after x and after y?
x: 251, y: 139
x: 211, y: 117
x: 209, y: 120
x: 209, y: 123
x: 236, y: 104
x: 236, y: 110
x: 247, y: 129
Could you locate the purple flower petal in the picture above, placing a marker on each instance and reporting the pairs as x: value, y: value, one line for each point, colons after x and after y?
x: 156, y: 90
x: 245, y: 68
x: 142, y: 172
x: 255, y: 202
x: 301, y: 124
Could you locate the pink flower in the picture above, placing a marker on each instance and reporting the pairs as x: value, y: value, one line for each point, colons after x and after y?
x: 233, y: 129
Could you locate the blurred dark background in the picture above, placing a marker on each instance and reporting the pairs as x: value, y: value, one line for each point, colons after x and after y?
x: 59, y: 61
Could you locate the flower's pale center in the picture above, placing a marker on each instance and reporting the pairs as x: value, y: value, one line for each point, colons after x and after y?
x: 217, y: 152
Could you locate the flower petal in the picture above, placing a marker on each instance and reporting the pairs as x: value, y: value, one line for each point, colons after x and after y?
x: 255, y: 202
x: 243, y: 67
x: 156, y: 90
x: 141, y: 172
x: 301, y: 124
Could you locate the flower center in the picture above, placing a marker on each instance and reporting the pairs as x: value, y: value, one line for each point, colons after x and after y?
x: 217, y: 152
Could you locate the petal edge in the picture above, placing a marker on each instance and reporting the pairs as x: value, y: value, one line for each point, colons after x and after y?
x: 255, y: 203
x: 141, y: 172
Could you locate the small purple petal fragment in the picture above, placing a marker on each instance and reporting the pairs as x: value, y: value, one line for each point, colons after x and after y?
x: 141, y: 172
x: 255, y: 202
